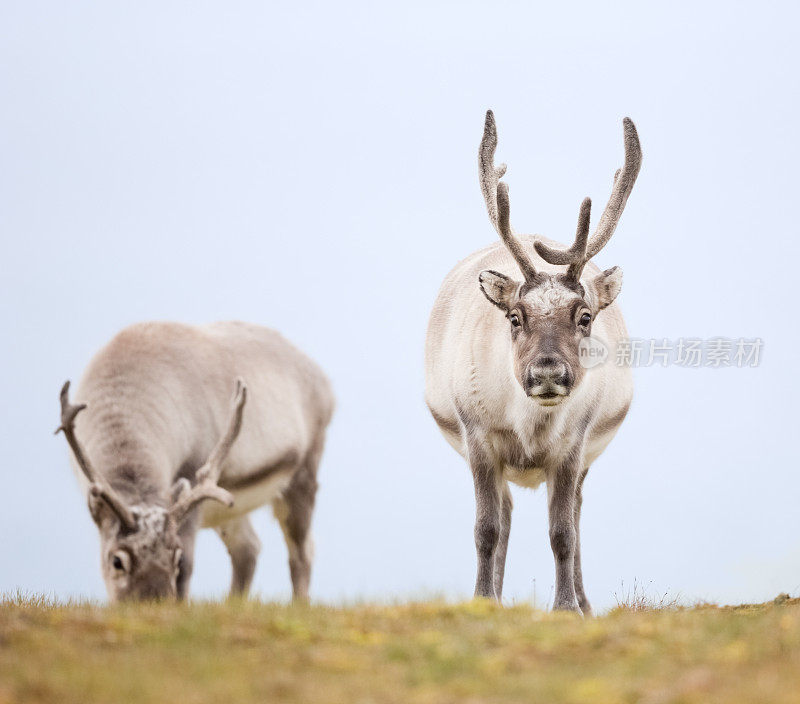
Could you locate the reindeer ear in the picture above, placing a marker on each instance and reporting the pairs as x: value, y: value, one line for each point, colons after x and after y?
x: 606, y: 287
x: 498, y: 288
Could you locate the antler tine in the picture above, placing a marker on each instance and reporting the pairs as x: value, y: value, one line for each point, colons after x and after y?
x: 578, y: 248
x: 68, y: 414
x: 213, y: 466
x: 580, y: 253
x: 575, y: 256
x: 623, y: 185
x: 98, y: 485
x: 208, y: 475
x: 488, y: 173
x: 495, y: 193
x: 507, y: 235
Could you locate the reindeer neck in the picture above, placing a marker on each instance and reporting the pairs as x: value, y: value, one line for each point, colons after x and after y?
x: 138, y: 484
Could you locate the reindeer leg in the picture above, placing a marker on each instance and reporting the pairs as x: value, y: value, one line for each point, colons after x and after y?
x: 561, y: 485
x: 502, y: 543
x: 243, y: 547
x: 583, y: 602
x: 294, y: 511
x: 487, y: 515
x: 187, y: 534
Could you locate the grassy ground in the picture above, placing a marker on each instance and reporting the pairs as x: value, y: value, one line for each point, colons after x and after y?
x: 421, y: 652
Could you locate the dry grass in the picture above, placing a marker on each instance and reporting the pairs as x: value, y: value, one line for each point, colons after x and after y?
x: 426, y: 653
x: 639, y: 598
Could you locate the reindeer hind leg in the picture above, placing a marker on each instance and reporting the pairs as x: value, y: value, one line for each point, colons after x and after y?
x: 294, y: 510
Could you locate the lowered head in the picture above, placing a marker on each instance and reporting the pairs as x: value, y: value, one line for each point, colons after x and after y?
x: 141, y: 550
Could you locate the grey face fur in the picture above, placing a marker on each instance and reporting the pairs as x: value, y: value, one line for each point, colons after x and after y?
x: 139, y: 564
x: 547, y: 321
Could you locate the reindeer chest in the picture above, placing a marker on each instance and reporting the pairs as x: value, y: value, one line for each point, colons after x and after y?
x: 522, y: 463
x: 527, y: 452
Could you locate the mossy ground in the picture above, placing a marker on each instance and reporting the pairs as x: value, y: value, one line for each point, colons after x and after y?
x: 431, y: 652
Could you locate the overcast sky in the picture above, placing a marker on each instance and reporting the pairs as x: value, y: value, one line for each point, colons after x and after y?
x: 196, y: 161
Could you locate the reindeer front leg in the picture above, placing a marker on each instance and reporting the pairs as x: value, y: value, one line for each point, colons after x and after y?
x: 561, y: 489
x: 186, y: 566
x: 583, y: 601
x: 502, y: 545
x: 487, y: 515
x: 243, y: 547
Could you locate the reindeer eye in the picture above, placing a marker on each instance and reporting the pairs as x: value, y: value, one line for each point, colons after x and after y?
x: 121, y: 561
x: 586, y: 318
x: 514, y: 318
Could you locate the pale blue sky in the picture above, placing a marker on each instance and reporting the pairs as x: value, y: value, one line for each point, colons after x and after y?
x: 197, y: 161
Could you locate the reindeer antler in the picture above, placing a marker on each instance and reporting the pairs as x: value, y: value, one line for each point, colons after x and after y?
x: 208, y: 475
x: 495, y: 193
x: 99, y: 487
x: 577, y: 251
x: 580, y: 252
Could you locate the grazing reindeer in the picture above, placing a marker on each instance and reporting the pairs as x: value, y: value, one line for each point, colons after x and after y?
x: 159, y: 436
x: 506, y: 387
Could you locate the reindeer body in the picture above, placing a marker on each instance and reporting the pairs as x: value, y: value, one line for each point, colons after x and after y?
x: 469, y: 375
x: 505, y: 380
x: 157, y: 401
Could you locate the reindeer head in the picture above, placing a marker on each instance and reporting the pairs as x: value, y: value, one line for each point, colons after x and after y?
x: 141, y: 547
x: 549, y: 314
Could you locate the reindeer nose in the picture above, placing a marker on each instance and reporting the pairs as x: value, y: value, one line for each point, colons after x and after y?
x: 549, y: 376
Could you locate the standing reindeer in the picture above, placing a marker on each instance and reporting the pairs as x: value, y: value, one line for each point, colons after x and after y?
x: 160, y: 436
x: 505, y: 384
